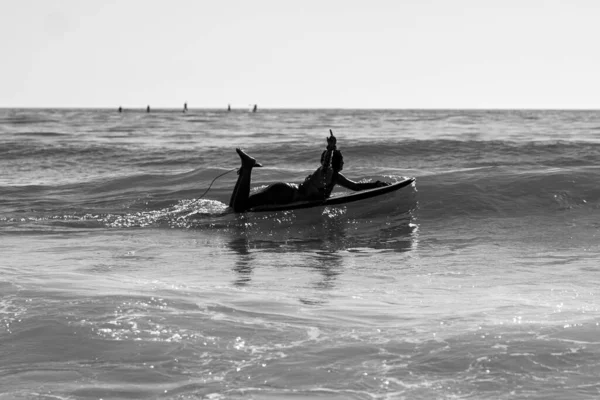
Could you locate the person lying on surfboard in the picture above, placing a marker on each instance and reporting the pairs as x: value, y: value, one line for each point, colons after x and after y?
x: 316, y: 186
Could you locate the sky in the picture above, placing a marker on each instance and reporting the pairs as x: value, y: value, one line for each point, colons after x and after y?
x: 300, y: 54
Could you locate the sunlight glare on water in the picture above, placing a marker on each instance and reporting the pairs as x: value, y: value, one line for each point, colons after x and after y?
x: 125, y: 275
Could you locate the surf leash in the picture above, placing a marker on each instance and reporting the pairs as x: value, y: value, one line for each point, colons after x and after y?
x: 213, y: 181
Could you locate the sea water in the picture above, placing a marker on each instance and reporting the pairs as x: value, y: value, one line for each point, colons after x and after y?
x: 123, y: 275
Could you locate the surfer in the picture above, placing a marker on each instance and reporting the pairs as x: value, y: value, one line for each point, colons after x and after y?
x: 317, y: 186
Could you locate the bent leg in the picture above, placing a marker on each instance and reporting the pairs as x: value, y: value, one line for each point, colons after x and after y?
x: 241, y: 191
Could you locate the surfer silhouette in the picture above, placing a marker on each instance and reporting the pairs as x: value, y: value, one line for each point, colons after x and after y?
x: 316, y: 186
x: 184, y: 107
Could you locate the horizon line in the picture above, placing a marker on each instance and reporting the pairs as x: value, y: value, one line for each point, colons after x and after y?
x: 143, y: 108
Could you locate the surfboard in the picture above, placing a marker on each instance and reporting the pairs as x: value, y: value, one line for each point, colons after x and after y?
x: 336, y: 199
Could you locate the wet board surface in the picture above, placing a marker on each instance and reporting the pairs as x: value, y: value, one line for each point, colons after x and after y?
x: 336, y: 200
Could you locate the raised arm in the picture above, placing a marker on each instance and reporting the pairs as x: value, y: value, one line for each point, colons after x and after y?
x: 349, y: 184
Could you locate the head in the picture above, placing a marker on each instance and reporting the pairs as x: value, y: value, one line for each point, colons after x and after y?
x: 337, y: 161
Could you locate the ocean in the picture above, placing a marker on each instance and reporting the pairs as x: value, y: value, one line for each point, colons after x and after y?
x: 123, y: 275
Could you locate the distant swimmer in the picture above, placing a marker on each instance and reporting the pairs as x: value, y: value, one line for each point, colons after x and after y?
x: 120, y: 109
x: 148, y: 109
x: 185, y: 107
x: 255, y: 108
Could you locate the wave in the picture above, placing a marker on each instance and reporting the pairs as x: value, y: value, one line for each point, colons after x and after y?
x: 504, y: 192
x: 26, y: 119
x: 42, y: 134
x: 468, y: 190
x: 294, y: 149
x: 454, y: 177
x: 383, y: 225
x: 452, y: 154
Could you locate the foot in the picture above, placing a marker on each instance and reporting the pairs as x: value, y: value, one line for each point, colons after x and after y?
x: 247, y: 161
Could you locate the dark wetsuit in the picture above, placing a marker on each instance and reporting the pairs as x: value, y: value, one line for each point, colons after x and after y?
x: 317, y: 185
x: 314, y: 187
